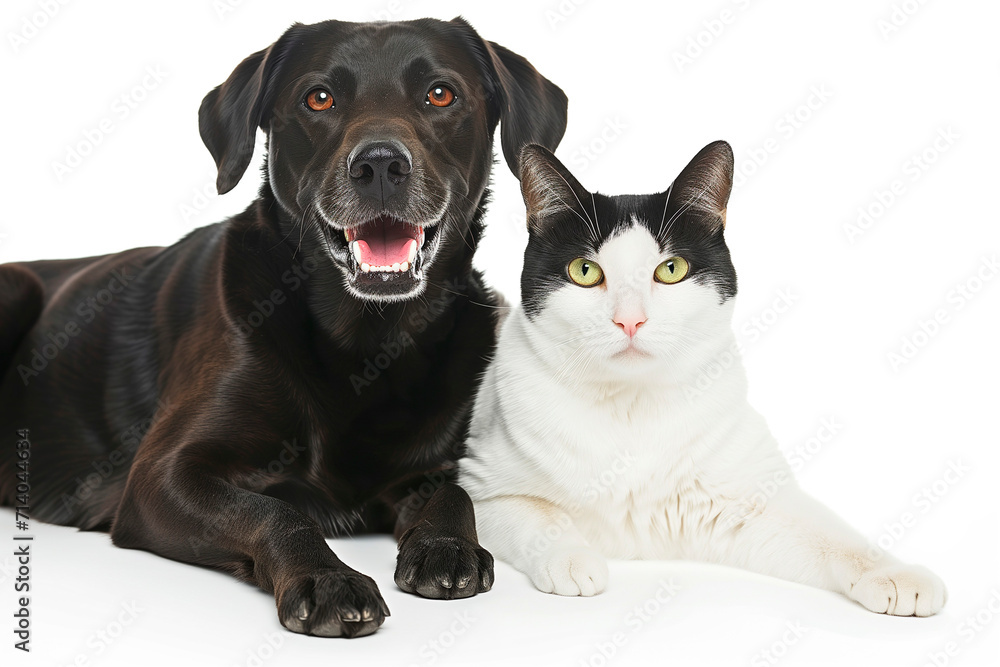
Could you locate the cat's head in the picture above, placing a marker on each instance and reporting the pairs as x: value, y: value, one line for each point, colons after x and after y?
x: 627, y: 283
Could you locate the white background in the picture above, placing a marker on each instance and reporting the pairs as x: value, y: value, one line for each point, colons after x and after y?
x: 637, y: 114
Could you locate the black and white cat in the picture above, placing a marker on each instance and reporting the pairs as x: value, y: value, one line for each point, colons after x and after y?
x: 589, y: 438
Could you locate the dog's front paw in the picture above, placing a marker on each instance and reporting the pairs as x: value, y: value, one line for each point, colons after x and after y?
x: 574, y: 571
x: 900, y: 590
x: 333, y: 602
x: 443, y: 567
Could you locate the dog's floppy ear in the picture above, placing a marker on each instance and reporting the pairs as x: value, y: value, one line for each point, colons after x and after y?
x: 530, y: 108
x: 231, y: 113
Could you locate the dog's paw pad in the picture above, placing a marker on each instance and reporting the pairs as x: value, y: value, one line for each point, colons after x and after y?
x: 577, y: 571
x: 900, y: 590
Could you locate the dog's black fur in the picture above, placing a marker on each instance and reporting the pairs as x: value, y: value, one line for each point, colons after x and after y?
x: 234, y: 398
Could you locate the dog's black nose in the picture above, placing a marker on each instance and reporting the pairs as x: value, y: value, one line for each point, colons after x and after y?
x: 380, y: 168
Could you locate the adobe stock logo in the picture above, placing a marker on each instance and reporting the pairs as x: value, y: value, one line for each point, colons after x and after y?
x: 223, y: 8
x: 912, y: 170
x: 32, y: 24
x: 956, y: 300
x: 707, y: 34
x: 57, y: 338
x: 898, y: 17
x: 586, y: 154
x: 123, y: 106
x: 560, y: 12
x: 787, y: 126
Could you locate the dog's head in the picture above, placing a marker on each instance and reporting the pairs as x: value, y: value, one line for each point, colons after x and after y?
x: 379, y: 139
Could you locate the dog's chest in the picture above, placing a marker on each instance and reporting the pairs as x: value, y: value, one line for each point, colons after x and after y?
x: 408, y: 419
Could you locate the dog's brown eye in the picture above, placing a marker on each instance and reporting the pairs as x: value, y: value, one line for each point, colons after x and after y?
x: 440, y: 96
x: 319, y: 100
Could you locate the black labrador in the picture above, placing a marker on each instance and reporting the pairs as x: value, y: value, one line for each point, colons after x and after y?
x: 306, y: 368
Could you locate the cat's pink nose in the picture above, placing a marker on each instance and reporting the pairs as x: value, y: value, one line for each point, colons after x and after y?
x: 630, y: 323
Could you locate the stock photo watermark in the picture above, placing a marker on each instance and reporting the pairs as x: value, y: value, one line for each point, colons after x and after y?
x: 921, y: 504
x: 222, y: 523
x: 392, y: 11
x: 393, y: 347
x: 584, y: 156
x: 971, y: 627
x: 750, y: 332
x: 202, y: 197
x: 560, y: 12
x: 956, y: 300
x: 223, y: 8
x: 785, y: 127
x: 912, y: 170
x: 93, y: 136
x: 898, y: 16
x: 33, y: 23
x: 779, y: 648
x: 103, y: 638
x: 418, y: 496
x: 265, y: 650
x: 637, y: 618
x: 708, y: 33
x: 588, y: 494
x: 261, y: 310
x: 58, y: 338
x: 766, y: 488
x: 108, y: 466
x: 432, y: 650
x: 22, y: 542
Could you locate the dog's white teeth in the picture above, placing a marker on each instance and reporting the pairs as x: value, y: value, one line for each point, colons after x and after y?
x: 413, y: 253
x: 356, y: 250
x: 399, y: 267
x: 347, y: 236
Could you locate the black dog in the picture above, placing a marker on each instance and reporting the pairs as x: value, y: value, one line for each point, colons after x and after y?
x: 305, y: 368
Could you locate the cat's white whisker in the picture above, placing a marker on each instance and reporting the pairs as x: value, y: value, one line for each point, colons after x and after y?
x: 666, y: 205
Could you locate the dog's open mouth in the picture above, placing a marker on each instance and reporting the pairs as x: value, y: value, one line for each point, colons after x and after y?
x: 387, y: 254
x: 385, y: 245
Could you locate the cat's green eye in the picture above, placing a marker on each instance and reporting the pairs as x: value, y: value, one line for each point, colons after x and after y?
x: 585, y: 273
x: 672, y: 271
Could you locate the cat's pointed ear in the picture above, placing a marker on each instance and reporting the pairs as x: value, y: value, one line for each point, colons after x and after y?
x: 548, y: 187
x: 705, y: 183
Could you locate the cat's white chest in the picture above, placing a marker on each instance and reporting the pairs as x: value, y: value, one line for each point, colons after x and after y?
x: 637, y: 492
x: 644, y: 467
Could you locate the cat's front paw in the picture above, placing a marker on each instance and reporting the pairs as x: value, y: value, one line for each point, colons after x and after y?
x: 572, y: 571
x: 900, y: 590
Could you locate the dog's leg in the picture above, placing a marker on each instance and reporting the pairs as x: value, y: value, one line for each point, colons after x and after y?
x: 192, y: 516
x: 439, y: 553
x: 794, y: 537
x: 541, y: 540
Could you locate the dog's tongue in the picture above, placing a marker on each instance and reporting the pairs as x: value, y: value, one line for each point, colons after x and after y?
x: 385, y: 243
x: 386, y: 251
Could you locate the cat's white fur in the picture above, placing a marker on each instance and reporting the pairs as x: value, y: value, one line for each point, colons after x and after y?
x: 584, y: 448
